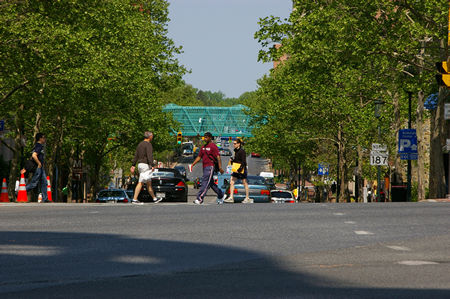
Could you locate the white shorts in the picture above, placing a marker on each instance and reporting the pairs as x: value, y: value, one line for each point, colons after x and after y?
x: 145, y: 173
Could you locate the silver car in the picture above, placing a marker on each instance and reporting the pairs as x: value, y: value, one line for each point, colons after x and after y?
x: 282, y: 196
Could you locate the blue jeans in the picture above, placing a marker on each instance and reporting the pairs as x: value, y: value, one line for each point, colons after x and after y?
x: 208, y: 182
x: 39, y: 179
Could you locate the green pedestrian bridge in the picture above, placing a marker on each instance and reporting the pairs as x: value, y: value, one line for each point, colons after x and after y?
x: 220, y: 121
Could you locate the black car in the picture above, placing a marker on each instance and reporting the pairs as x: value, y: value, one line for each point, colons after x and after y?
x: 167, y: 183
x: 181, y: 169
x: 113, y: 196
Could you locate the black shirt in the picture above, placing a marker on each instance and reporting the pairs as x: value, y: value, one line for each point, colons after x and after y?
x: 39, y: 149
x: 240, y: 156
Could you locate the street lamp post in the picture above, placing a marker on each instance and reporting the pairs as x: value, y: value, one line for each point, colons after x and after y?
x: 378, y: 104
x: 408, y: 175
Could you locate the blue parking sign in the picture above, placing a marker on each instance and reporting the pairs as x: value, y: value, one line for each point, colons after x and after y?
x: 407, y: 144
x: 2, y: 125
x: 323, y: 169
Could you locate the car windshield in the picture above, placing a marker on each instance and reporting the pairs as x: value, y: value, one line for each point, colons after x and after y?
x: 164, y: 174
x: 281, y: 194
x: 111, y: 194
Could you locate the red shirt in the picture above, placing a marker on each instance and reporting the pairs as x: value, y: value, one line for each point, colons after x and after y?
x: 208, y: 153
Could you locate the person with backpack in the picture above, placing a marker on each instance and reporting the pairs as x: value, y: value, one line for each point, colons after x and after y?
x: 210, y: 156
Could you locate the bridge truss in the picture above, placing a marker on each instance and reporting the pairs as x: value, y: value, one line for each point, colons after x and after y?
x: 220, y: 121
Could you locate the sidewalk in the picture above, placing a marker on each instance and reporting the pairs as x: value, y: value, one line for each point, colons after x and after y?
x: 436, y: 200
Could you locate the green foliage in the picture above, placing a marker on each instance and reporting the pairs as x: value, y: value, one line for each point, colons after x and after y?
x: 342, y: 55
x: 88, y: 69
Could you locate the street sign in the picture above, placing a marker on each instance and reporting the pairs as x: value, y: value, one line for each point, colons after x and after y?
x: 2, y: 125
x: 78, y: 166
x: 379, y: 147
x: 407, y: 144
x: 379, y: 158
x: 447, y: 111
x: 323, y: 169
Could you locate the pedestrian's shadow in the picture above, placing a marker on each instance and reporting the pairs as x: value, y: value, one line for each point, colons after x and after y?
x: 77, y: 265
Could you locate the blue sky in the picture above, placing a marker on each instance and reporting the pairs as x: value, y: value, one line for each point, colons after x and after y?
x: 218, y: 43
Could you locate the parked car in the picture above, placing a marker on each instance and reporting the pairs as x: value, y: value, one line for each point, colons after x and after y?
x: 198, y: 181
x: 258, y: 189
x: 182, y: 170
x: 167, y: 183
x: 196, y: 152
x: 282, y: 196
x: 113, y: 196
x: 224, y: 152
x: 255, y: 155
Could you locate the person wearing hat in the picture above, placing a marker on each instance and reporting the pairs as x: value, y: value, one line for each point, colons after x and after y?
x: 210, y: 156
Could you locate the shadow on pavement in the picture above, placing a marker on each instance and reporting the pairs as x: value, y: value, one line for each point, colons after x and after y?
x: 77, y: 265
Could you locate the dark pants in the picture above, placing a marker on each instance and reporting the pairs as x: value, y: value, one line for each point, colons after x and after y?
x: 208, y: 182
x: 39, y: 179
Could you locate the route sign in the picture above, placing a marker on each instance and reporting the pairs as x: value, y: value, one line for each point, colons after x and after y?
x: 447, y: 111
x: 407, y: 144
x: 379, y: 147
x: 323, y: 169
x: 379, y: 158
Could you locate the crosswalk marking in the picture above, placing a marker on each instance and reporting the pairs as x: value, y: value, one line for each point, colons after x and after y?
x: 417, y: 263
x: 400, y: 248
x: 363, y: 232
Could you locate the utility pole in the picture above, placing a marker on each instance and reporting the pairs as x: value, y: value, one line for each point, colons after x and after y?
x: 408, y: 175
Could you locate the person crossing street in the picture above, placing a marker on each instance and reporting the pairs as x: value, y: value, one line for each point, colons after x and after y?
x: 144, y: 158
x: 210, y: 156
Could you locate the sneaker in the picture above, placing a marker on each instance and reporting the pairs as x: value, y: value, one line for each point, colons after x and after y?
x: 222, y: 199
x: 198, y: 202
x: 157, y: 199
x: 137, y: 202
x: 229, y: 200
x: 247, y: 200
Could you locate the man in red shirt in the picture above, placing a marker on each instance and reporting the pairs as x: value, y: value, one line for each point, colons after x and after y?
x: 209, y: 154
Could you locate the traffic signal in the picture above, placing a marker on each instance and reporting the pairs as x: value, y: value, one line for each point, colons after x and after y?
x: 179, y: 137
x: 443, y: 79
x: 229, y: 138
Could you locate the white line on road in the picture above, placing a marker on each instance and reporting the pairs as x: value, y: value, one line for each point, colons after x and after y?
x: 417, y: 263
x: 400, y: 248
x: 350, y: 222
x: 338, y: 214
x: 363, y: 232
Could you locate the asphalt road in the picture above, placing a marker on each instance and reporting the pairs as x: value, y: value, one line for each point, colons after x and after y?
x: 379, y: 250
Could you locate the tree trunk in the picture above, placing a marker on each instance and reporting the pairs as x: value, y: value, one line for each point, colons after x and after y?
x: 437, y: 173
x: 421, y: 148
x: 343, y: 196
x: 360, y: 196
x: 17, y: 153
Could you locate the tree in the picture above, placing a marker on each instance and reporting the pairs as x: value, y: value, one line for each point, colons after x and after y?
x: 342, y: 56
x: 85, y: 70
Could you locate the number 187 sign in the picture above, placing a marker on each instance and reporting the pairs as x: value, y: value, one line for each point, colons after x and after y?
x: 379, y: 155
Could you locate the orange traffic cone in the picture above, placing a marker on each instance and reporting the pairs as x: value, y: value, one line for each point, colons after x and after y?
x: 49, y: 189
x: 22, y: 194
x: 4, y: 197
